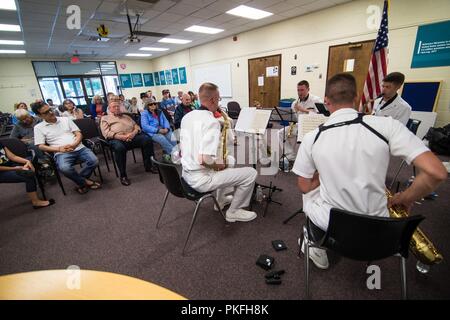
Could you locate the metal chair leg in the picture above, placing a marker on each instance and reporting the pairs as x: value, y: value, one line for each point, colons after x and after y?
x: 58, y: 176
x: 217, y: 205
x: 105, y: 157
x: 41, y: 186
x: 134, y: 156
x: 397, y: 173
x: 306, y: 244
x: 99, y: 173
x: 194, y: 216
x: 114, y: 163
x: 162, y: 208
x: 403, y: 278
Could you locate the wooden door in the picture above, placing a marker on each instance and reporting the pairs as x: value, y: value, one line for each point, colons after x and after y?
x: 264, y: 78
x: 340, y: 60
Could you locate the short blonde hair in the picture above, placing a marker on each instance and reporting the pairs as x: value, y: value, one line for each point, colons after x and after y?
x: 206, y: 90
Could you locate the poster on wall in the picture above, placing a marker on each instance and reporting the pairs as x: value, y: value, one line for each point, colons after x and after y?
x: 148, y: 79
x: 125, y: 81
x: 162, y: 78
x: 156, y: 74
x: 432, y: 47
x: 168, y: 76
x: 175, y: 78
x: 136, y: 78
x: 182, y: 72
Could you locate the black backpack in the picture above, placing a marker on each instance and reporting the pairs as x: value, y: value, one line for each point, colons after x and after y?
x: 439, y: 140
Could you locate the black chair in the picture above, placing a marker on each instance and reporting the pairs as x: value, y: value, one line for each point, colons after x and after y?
x: 234, y: 109
x: 169, y: 176
x: 20, y: 149
x: 363, y: 238
x: 92, y: 137
x: 413, y: 126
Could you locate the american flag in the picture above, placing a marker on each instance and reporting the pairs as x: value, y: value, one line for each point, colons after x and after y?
x: 378, y: 62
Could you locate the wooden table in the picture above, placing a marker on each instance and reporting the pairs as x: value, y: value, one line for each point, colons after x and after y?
x: 80, y: 285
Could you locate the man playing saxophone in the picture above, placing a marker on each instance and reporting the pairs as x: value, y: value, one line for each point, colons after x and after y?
x: 204, y: 167
x: 343, y: 164
x: 303, y: 105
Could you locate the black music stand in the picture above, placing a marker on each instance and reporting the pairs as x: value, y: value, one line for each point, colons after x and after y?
x: 282, y: 121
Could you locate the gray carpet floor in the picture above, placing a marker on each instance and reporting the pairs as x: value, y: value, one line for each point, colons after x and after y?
x: 113, y: 229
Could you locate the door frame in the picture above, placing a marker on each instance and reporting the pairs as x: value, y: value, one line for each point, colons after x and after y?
x: 248, y: 74
x: 81, y: 77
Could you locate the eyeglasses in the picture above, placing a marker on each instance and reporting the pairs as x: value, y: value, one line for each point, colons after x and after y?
x: 47, y: 112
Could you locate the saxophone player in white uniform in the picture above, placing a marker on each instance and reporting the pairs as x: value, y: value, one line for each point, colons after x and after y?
x: 303, y: 105
x: 204, y: 166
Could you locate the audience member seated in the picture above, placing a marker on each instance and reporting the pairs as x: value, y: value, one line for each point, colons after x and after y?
x: 21, y: 105
x: 150, y: 95
x: 14, y: 169
x: 24, y: 130
x: 124, y: 134
x: 194, y: 99
x: 125, y: 102
x: 168, y: 103
x: 133, y: 108
x: 54, y: 107
x: 71, y: 111
x: 178, y: 98
x: 182, y: 109
x: 61, y: 136
x: 155, y: 124
x: 98, y: 108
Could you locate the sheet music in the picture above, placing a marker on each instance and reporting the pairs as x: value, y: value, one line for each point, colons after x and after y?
x: 252, y: 120
x: 309, y: 122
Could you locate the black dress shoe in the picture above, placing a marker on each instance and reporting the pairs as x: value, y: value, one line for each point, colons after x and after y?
x: 125, y: 181
x: 151, y: 169
x: 50, y: 203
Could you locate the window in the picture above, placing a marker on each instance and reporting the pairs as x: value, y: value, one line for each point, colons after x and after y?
x: 51, y: 89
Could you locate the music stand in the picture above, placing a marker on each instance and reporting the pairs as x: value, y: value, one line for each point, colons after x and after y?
x: 284, y: 123
x: 242, y: 125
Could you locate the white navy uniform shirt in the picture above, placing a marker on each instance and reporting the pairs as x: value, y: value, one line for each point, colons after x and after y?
x: 309, y: 103
x: 352, y: 163
x: 398, y: 109
x: 200, y: 134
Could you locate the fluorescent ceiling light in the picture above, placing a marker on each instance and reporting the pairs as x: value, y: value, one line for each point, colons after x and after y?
x: 12, y: 51
x: 203, y: 29
x: 173, y: 40
x: 138, y: 54
x: 8, y: 5
x: 10, y: 27
x: 249, y: 12
x: 153, y: 49
x: 12, y: 42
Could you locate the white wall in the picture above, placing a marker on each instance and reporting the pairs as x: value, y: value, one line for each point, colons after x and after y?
x: 18, y: 81
x: 310, y: 36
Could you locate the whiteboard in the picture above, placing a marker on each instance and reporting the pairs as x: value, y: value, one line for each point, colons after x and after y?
x: 217, y: 74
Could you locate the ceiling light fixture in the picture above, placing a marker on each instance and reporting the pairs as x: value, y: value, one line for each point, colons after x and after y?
x: 13, y: 51
x: 173, y: 40
x: 12, y: 42
x: 8, y: 5
x: 249, y: 12
x: 10, y: 27
x: 153, y: 49
x: 201, y: 29
x: 138, y: 54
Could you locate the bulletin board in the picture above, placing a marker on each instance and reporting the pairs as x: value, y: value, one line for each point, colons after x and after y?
x: 422, y: 95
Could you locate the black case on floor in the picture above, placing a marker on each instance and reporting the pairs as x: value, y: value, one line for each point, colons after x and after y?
x: 266, y: 262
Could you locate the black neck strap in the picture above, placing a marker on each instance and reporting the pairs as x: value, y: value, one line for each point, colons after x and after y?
x: 357, y: 120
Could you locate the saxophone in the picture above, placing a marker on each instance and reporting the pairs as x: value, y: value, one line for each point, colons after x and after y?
x: 422, y: 248
x: 223, y: 136
x: 291, y: 127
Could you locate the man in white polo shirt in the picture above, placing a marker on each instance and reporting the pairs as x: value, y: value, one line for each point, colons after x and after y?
x: 343, y: 164
x: 390, y: 104
x: 306, y: 103
x: 203, y: 166
x: 61, y: 136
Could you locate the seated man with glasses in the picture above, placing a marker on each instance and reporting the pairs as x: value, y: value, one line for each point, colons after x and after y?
x: 61, y: 136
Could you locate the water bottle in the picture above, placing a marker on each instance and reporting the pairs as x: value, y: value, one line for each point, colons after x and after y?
x: 259, y: 194
x: 285, y: 165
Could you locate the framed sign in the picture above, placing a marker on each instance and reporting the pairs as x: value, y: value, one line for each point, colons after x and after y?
x: 182, y: 73
x: 168, y: 76
x: 175, y: 78
x: 148, y: 79
x: 125, y: 81
x: 157, y: 82
x: 136, y: 78
x: 162, y: 78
